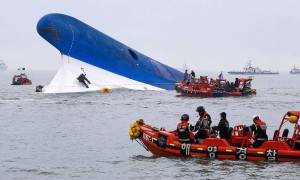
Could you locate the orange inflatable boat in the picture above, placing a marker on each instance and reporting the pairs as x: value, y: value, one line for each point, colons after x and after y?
x: 201, y: 87
x: 237, y: 147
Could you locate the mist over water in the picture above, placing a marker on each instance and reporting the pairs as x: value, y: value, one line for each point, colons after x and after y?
x: 85, y: 135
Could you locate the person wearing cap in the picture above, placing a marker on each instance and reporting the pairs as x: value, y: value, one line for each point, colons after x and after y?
x: 184, y: 130
x: 260, y: 131
x: 203, y: 124
x: 222, y: 127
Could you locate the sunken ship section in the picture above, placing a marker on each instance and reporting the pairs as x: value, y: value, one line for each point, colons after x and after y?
x: 84, y: 43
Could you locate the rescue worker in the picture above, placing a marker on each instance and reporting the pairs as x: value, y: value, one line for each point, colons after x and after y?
x: 82, y: 79
x: 260, y: 131
x: 184, y: 130
x: 222, y: 127
x: 203, y: 124
x: 185, y: 75
x: 193, y: 74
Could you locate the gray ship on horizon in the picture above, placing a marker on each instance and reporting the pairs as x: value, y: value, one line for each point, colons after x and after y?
x: 250, y: 70
x: 295, y: 70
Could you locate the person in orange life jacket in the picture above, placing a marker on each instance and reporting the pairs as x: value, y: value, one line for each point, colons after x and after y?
x: 222, y: 127
x: 184, y: 130
x: 203, y: 123
x: 260, y: 129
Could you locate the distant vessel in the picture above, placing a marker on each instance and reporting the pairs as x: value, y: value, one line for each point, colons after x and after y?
x: 295, y: 70
x: 3, y: 66
x: 21, y: 79
x: 249, y: 70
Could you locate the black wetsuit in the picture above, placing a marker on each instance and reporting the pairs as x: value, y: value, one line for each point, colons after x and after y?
x: 82, y: 79
x: 222, y: 127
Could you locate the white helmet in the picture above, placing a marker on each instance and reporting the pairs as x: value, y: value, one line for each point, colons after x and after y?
x: 255, y: 117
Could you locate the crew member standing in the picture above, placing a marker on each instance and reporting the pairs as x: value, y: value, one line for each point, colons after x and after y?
x: 193, y: 74
x: 185, y: 75
x: 203, y: 124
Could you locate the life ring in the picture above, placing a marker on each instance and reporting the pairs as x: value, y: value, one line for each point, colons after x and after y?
x: 105, y: 90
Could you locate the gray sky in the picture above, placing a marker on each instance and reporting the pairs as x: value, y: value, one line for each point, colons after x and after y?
x: 217, y: 35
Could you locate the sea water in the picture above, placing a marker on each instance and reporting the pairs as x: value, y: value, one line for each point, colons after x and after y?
x: 85, y: 135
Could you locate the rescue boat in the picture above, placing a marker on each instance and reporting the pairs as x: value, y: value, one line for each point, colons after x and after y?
x: 238, y: 147
x: 21, y: 79
x: 201, y: 87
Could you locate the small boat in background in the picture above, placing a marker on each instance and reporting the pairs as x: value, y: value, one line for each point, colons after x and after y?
x: 250, y: 70
x: 295, y: 70
x: 202, y: 87
x: 21, y: 79
x: 3, y: 66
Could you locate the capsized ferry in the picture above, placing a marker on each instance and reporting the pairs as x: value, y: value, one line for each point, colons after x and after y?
x: 107, y: 62
x: 238, y: 147
x: 250, y: 70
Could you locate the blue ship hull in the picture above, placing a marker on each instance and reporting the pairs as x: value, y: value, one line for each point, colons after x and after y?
x: 84, y: 43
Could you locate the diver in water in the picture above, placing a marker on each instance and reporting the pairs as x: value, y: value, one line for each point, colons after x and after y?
x: 81, y: 78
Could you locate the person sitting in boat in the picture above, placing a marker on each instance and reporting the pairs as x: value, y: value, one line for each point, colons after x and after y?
x: 82, y: 79
x: 184, y: 130
x: 237, y: 82
x: 260, y: 131
x: 203, y: 124
x: 222, y: 127
x: 232, y: 86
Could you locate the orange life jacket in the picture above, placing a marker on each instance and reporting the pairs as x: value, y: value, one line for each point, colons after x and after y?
x: 184, y: 133
x: 261, y: 124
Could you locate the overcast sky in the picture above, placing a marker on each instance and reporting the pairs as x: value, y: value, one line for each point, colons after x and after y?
x: 211, y: 35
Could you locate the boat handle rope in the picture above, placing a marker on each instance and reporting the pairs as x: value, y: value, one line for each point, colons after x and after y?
x: 142, y: 144
x: 71, y: 46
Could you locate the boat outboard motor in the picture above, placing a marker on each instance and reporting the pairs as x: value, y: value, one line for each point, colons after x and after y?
x: 39, y: 88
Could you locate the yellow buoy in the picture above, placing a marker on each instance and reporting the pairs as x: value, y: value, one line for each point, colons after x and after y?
x: 105, y: 90
x: 136, y: 134
x: 130, y: 133
x: 133, y: 130
x: 293, y: 119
